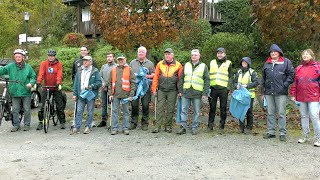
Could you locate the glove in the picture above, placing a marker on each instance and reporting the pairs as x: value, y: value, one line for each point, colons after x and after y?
x: 35, y: 86
x: 59, y: 87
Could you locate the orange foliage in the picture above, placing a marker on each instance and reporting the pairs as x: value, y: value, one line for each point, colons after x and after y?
x: 128, y: 23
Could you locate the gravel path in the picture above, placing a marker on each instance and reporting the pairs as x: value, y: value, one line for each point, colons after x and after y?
x: 143, y: 155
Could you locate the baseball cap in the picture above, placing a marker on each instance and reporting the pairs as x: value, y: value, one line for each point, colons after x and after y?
x: 89, y: 58
x: 168, y: 50
x: 195, y: 51
x: 121, y: 56
x: 221, y: 49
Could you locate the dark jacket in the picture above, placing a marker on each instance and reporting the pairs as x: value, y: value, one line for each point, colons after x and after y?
x: 306, y: 86
x: 254, y: 77
x: 94, y: 81
x: 276, y: 77
x: 192, y: 93
x: 77, y: 64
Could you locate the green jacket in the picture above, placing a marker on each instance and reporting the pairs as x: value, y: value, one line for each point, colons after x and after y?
x: 25, y: 75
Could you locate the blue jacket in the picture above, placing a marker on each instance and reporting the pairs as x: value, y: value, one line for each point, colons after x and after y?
x: 94, y: 81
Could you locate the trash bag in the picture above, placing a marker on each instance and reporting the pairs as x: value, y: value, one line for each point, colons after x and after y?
x: 240, y: 103
x: 87, y: 94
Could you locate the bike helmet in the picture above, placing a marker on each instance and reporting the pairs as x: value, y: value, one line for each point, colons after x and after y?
x: 19, y: 51
x: 52, y: 52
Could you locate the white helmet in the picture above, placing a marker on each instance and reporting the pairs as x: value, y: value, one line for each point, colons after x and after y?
x: 19, y: 51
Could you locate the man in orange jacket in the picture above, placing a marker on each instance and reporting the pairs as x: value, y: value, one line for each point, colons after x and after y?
x: 165, y: 81
x: 51, y: 72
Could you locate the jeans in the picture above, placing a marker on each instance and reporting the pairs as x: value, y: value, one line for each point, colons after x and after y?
x: 196, y: 103
x: 145, y: 100
x: 60, y: 105
x: 115, y: 117
x: 16, y: 107
x: 249, y: 117
x: 81, y: 103
x: 104, y: 113
x: 276, y: 104
x: 310, y: 111
x: 222, y: 94
x: 166, y: 102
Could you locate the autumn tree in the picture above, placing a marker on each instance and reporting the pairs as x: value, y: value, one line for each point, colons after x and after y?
x: 280, y: 21
x: 128, y: 23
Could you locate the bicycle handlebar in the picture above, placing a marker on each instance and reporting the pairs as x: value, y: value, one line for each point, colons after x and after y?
x: 49, y: 87
x: 14, y: 81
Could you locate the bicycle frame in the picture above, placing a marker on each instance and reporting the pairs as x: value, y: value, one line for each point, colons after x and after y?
x: 49, y: 109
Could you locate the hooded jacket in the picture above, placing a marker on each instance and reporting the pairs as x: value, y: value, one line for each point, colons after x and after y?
x: 254, y: 77
x: 306, y: 86
x: 276, y: 77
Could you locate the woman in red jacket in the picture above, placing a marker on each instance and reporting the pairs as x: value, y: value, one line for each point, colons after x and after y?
x: 306, y: 90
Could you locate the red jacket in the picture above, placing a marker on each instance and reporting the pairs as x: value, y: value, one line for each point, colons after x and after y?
x: 306, y: 85
x: 50, y: 72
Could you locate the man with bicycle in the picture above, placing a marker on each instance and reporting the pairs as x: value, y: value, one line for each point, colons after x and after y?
x: 50, y: 72
x: 20, y: 91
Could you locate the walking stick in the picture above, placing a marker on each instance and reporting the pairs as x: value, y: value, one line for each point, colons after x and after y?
x: 110, y: 116
x: 74, y: 116
x: 155, y: 106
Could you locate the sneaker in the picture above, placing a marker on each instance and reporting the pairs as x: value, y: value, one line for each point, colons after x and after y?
x: 114, y: 132
x: 144, y: 127
x: 303, y: 140
x: 102, y: 124
x: 132, y: 126
x: 182, y: 131
x: 26, y: 128
x: 317, y: 143
x: 75, y: 131
x: 209, y: 129
x: 40, y: 126
x: 86, y: 130
x: 240, y: 131
x: 247, y: 131
x: 93, y: 124
x: 62, y: 126
x: 194, y: 131
x: 168, y: 129
x: 283, y: 138
x: 126, y: 132
x: 15, y: 128
x: 156, y: 130
x: 268, y: 136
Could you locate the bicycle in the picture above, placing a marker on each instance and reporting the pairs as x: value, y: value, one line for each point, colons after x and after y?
x: 5, y: 101
x: 49, y: 110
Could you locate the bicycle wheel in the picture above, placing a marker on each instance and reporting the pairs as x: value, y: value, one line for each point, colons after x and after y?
x: 46, y: 115
x: 1, y: 111
x: 53, y: 114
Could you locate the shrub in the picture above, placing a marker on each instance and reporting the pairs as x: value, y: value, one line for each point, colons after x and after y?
x: 100, y: 53
x: 236, y: 45
x: 74, y: 39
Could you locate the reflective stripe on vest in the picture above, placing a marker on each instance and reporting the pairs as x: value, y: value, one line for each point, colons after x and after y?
x: 125, y: 79
x: 246, y: 79
x: 219, y: 75
x: 193, y: 78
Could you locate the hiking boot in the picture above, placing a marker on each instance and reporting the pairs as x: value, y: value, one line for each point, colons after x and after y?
x: 40, y: 126
x: 194, y: 131
x: 247, y: 131
x: 182, y: 131
x: 283, y: 138
x: 155, y: 130
x: 268, y: 136
x: 209, y: 129
x: 15, y: 128
x: 62, y: 126
x: 114, y: 132
x: 144, y: 127
x: 168, y: 129
x: 126, y: 132
x: 240, y: 130
x: 26, y: 128
x: 221, y: 131
x: 86, y: 130
x: 303, y: 140
x: 132, y: 126
x: 102, y: 124
x: 75, y: 131
x: 317, y: 143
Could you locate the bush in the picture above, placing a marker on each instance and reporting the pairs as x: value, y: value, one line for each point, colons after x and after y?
x: 74, y: 39
x: 100, y: 54
x: 237, y: 46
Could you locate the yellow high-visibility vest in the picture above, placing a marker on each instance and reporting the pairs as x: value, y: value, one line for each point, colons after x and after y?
x: 246, y: 79
x: 193, y: 78
x: 219, y: 75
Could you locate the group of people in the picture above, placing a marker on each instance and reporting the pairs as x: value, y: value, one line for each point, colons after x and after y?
x: 169, y: 80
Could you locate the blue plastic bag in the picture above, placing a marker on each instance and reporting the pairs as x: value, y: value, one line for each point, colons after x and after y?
x: 240, y: 103
x: 179, y: 110
x: 87, y: 94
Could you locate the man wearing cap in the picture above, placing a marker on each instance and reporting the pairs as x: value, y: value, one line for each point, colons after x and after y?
x: 165, y: 86
x: 194, y: 84
x: 20, y: 91
x: 122, y: 86
x: 50, y: 72
x: 221, y: 76
x: 136, y: 64
x: 105, y: 75
x: 277, y: 75
x: 88, y: 80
